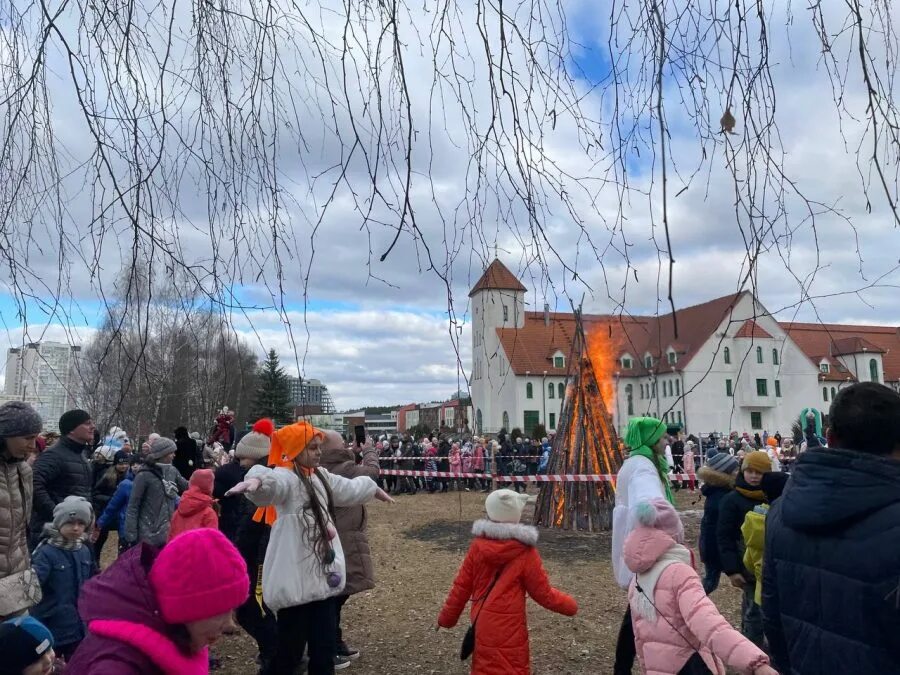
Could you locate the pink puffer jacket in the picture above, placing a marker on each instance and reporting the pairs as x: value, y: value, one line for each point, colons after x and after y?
x: 687, y: 620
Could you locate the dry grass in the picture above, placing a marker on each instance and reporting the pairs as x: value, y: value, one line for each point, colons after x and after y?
x: 418, y: 545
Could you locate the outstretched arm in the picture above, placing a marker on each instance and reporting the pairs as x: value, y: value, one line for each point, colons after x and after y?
x: 537, y: 583
x: 459, y: 595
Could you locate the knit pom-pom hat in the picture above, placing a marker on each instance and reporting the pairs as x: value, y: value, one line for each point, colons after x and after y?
x: 659, y: 514
x: 256, y: 444
x: 181, y: 596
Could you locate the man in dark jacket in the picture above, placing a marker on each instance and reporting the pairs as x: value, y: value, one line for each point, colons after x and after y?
x: 831, y: 595
x: 62, y: 469
x: 746, y: 496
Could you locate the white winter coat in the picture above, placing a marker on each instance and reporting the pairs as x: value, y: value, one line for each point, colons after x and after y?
x: 638, y: 481
x: 291, y: 572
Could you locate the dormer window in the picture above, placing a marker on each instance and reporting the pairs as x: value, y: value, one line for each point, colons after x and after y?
x: 559, y: 361
x: 648, y: 361
x: 626, y: 363
x: 672, y: 358
x: 824, y: 367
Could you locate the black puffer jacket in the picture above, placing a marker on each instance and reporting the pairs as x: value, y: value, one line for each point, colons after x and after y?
x: 716, y: 486
x: 831, y: 572
x: 61, y: 470
x: 733, y: 509
x: 235, y: 508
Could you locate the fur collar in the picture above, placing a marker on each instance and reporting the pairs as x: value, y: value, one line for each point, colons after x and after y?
x: 526, y: 534
x: 156, y: 647
x: 715, y: 478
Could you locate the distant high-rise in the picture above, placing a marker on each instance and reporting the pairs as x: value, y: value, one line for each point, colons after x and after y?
x: 312, y: 394
x: 43, y: 373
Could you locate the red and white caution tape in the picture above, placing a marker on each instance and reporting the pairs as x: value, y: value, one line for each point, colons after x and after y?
x: 542, y: 478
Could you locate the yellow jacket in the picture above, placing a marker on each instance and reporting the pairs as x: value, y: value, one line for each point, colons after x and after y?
x: 754, y: 531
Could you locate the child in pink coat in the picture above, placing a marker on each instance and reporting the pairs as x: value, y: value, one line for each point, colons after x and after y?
x: 677, y: 629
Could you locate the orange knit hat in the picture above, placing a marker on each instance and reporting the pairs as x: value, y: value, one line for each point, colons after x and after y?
x: 290, y: 441
x: 772, y: 442
x: 287, y: 443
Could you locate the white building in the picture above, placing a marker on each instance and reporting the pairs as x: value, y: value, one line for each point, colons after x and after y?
x: 732, y: 366
x: 44, y: 374
x: 311, y: 394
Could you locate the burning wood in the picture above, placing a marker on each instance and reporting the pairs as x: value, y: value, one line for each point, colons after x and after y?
x: 585, y: 442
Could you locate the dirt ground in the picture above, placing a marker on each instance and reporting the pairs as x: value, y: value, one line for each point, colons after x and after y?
x: 418, y: 544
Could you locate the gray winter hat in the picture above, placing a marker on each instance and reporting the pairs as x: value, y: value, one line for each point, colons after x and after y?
x: 723, y: 463
x: 73, y: 508
x: 17, y: 418
x: 161, y: 447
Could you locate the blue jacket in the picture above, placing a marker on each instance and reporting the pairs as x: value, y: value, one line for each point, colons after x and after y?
x: 62, y: 574
x: 116, y: 508
x: 831, y: 570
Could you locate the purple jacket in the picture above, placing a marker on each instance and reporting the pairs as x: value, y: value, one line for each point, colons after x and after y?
x: 126, y: 633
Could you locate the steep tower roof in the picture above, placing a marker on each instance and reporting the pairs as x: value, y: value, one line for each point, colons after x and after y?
x: 497, y: 276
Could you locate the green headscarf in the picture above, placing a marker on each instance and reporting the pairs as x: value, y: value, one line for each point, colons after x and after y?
x: 642, y: 434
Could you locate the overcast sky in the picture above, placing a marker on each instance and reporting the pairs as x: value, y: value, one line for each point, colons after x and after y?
x: 380, y: 332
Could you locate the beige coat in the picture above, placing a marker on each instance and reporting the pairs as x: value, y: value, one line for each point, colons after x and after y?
x: 19, y: 588
x: 15, y: 512
x: 351, y: 521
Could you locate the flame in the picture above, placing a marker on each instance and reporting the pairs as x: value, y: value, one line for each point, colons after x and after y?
x: 590, y: 444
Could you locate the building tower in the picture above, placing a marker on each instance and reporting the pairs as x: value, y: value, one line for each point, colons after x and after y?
x: 498, y: 301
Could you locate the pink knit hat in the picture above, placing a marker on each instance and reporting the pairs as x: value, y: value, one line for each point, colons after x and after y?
x: 659, y: 514
x: 185, y: 596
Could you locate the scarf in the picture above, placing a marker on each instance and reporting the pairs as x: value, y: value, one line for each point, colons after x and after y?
x: 55, y: 539
x: 750, y: 492
x: 642, y: 602
x: 642, y: 433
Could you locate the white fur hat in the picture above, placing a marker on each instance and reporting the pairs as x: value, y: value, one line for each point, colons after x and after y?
x: 506, y: 506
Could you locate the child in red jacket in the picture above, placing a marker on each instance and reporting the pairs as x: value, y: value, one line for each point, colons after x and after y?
x: 195, y: 510
x: 501, y: 566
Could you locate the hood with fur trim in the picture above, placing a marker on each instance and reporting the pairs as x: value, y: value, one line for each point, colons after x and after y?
x: 526, y: 534
x: 716, y: 478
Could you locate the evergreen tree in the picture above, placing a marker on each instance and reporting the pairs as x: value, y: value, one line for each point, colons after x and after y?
x: 273, y: 392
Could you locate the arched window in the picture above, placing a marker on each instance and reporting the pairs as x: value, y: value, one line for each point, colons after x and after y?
x: 833, y: 393
x: 775, y: 356
x: 678, y: 387
x: 873, y: 370
x: 478, y: 421
x: 629, y: 390
x: 506, y: 421
x: 551, y: 391
x: 824, y: 393
x: 561, y: 390
x: 726, y: 354
x: 529, y: 390
x: 759, y: 358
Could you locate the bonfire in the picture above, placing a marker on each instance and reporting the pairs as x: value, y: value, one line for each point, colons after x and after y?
x: 586, y: 440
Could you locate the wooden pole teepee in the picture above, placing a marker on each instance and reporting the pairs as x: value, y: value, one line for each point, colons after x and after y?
x: 585, y: 443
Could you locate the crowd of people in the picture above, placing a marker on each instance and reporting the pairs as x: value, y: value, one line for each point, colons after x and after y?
x: 269, y: 532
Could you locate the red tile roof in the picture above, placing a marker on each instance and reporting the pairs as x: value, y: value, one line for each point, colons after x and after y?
x: 751, y: 329
x: 826, y: 340
x: 531, y: 347
x: 497, y: 276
